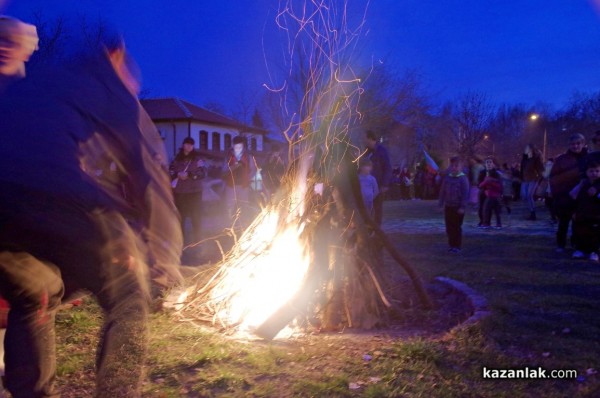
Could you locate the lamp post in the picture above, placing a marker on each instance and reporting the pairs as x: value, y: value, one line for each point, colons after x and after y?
x: 534, y: 117
x: 487, y: 138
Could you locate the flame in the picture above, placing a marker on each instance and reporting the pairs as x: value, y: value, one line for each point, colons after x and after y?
x: 267, y: 270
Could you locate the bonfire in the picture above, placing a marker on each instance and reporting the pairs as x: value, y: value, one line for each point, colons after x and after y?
x: 313, y: 257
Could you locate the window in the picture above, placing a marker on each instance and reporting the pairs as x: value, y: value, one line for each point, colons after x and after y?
x: 248, y: 147
x: 254, y: 144
x: 216, y: 141
x: 227, y: 140
x: 203, y: 139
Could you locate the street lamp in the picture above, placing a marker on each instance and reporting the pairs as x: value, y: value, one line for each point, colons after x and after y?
x: 534, y: 117
x: 486, y: 137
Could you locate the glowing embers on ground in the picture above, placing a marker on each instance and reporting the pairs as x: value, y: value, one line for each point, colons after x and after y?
x: 264, y: 270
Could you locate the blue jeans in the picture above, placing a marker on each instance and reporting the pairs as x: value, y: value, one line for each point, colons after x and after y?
x: 528, y: 188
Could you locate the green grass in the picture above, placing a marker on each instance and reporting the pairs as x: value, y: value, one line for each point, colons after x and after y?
x: 544, y: 313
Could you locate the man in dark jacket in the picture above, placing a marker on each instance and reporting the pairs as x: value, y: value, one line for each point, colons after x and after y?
x: 454, y: 196
x: 62, y: 229
x: 382, y: 171
x: 566, y: 173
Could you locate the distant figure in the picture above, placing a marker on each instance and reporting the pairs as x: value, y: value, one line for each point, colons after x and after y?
x: 187, y: 173
x: 532, y: 168
x: 586, y: 218
x: 368, y: 184
x: 405, y: 183
x: 548, y: 199
x: 492, y: 189
x: 454, y: 196
x: 507, y: 187
x: 237, y: 174
x: 489, y: 166
x: 565, y: 174
x: 61, y: 230
x: 382, y: 171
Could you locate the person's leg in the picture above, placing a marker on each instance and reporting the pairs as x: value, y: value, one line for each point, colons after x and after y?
x: 481, y: 208
x: 530, y: 196
x: 449, y: 226
x: 497, y: 210
x: 196, y: 215
x: 182, y: 207
x: 487, y: 211
x: 34, y: 290
x: 124, y: 297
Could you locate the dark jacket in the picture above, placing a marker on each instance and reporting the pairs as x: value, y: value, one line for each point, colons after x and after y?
x: 454, y: 190
x: 531, y: 168
x: 382, y: 167
x: 187, y: 163
x: 567, y: 172
x: 238, y: 172
x: 588, y: 206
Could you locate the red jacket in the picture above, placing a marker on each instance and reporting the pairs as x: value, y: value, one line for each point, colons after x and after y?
x: 492, y: 187
x: 238, y: 171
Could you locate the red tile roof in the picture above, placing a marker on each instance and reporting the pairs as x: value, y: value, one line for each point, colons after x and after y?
x: 162, y: 109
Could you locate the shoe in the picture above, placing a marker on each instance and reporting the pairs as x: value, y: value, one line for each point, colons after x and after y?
x: 578, y: 254
x: 559, y: 250
x: 454, y: 250
x: 484, y: 226
x: 594, y: 257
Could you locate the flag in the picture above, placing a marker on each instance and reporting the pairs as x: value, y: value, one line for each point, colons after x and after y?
x: 430, y: 164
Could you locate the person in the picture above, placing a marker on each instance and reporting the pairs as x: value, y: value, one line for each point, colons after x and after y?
x: 489, y: 167
x: 586, y: 217
x: 565, y: 174
x: 507, y: 187
x: 532, y: 168
x: 368, y: 184
x: 273, y: 170
x: 382, y: 171
x: 548, y: 199
x: 18, y: 41
x: 237, y: 174
x: 453, y: 198
x: 187, y: 172
x: 492, y: 189
x: 61, y: 231
x: 405, y: 183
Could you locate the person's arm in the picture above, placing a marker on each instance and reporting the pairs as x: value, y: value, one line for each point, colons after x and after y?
x: 442, y: 193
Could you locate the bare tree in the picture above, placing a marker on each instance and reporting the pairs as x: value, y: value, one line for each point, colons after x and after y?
x: 472, y: 116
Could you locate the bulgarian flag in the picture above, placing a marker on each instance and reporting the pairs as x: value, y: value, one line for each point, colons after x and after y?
x: 430, y: 164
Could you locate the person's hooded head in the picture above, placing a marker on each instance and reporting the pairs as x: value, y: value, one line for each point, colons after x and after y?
x: 18, y: 40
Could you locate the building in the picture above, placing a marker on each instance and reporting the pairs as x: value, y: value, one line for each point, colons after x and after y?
x: 213, y: 132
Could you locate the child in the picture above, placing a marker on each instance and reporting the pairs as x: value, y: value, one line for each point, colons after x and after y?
x: 492, y: 188
x: 586, y: 220
x: 368, y: 184
x: 454, y: 196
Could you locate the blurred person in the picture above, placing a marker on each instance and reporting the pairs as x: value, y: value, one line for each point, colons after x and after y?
x: 60, y: 228
x: 453, y: 198
x: 18, y: 41
x: 532, y: 168
x: 565, y: 174
x: 548, y: 199
x: 516, y: 173
x: 382, y: 171
x: 492, y: 189
x: 507, y: 187
x: 237, y: 174
x: 405, y: 183
x: 489, y: 166
x: 187, y: 173
x: 368, y: 184
x: 586, y: 217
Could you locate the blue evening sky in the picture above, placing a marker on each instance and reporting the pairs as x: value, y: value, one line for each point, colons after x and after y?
x: 515, y: 51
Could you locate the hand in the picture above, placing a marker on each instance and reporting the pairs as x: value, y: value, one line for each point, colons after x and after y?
x: 461, y: 210
x: 592, y: 191
x: 182, y: 175
x: 200, y: 163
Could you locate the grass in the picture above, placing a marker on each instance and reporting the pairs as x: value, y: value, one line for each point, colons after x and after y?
x: 544, y: 313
